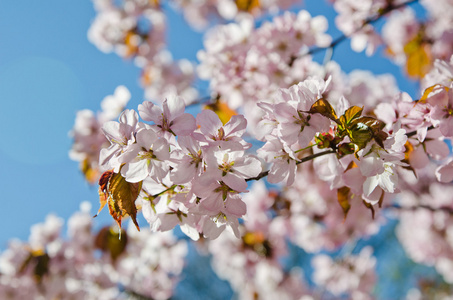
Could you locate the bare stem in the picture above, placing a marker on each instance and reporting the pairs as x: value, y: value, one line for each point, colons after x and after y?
x: 370, y: 20
x: 305, y: 159
x: 446, y: 209
x: 412, y: 133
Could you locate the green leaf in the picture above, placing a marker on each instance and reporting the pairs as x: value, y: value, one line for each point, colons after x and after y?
x: 364, y: 129
x: 350, y: 114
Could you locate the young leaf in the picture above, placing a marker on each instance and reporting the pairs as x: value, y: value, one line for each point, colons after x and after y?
x: 350, y: 114
x: 324, y: 108
x: 360, y: 133
x: 88, y: 171
x: 344, y: 194
x: 429, y: 90
x: 418, y: 60
x: 39, y: 261
x: 364, y: 129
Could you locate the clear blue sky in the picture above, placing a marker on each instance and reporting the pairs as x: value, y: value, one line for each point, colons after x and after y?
x: 48, y: 71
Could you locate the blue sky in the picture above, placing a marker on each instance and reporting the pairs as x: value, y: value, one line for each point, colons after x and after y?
x: 49, y: 71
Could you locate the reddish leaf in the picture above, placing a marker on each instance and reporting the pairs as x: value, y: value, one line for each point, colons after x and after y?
x: 324, y: 108
x: 103, y: 189
x: 120, y: 196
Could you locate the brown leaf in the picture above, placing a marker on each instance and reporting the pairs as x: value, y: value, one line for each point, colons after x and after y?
x: 324, y: 108
x: 344, y: 194
x: 122, y: 198
x: 407, y: 153
x: 103, y: 189
x: 108, y: 241
x: 39, y: 261
x: 247, y: 5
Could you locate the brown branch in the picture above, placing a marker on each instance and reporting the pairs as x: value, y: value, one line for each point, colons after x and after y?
x: 305, y: 159
x: 446, y: 209
x: 370, y: 20
x: 412, y: 133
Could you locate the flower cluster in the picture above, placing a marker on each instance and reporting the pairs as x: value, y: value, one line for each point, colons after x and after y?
x: 88, y: 136
x: 133, y: 29
x: 353, y: 274
x: 199, y: 13
x: 341, y: 144
x: 136, y: 29
x: 180, y: 174
x: 50, y: 266
x: 418, y: 43
x: 245, y: 64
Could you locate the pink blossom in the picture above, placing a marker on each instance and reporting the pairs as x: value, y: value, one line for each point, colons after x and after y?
x: 171, y: 118
x: 147, y: 157
x: 214, y: 130
x: 228, y: 163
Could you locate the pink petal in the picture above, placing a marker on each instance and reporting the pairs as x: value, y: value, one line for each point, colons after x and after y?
x: 173, y: 107
x: 209, y: 122
x: 183, y: 125
x: 446, y: 127
x: 150, y: 112
x: 445, y: 173
x: 235, y: 126
x: 135, y: 171
x: 234, y: 182
x: 235, y: 206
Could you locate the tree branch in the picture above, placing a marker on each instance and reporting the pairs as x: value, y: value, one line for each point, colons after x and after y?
x: 412, y: 133
x: 305, y: 159
x: 446, y: 209
x: 370, y: 20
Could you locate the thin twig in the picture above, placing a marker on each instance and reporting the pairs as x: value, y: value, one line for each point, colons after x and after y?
x: 370, y: 20
x: 446, y: 209
x: 305, y: 159
x: 412, y: 133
